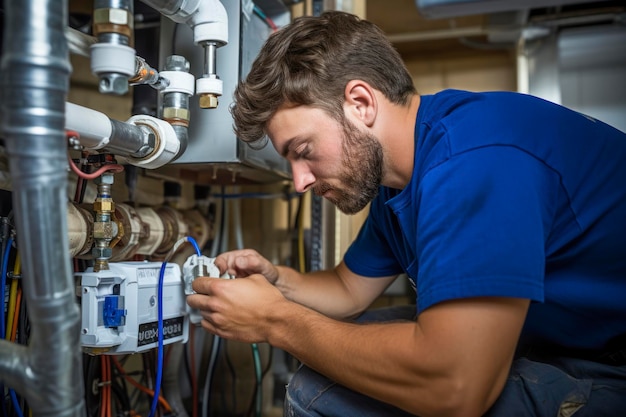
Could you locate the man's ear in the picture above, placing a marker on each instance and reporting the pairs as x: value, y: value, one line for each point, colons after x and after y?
x: 360, y: 102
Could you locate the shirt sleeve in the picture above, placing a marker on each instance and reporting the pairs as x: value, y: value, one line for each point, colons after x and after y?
x: 370, y: 254
x: 483, y: 219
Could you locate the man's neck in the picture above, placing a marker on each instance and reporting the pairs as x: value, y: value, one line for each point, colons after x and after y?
x: 397, y: 136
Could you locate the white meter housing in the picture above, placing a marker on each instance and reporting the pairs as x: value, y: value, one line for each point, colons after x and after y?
x: 120, y: 307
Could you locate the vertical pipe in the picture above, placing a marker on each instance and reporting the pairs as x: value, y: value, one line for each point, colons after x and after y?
x: 112, y: 59
x: 34, y: 82
x: 175, y: 105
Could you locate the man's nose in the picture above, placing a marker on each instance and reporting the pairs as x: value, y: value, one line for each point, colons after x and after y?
x: 303, y: 178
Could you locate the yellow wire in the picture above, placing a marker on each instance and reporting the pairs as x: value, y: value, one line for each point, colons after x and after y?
x: 13, y: 296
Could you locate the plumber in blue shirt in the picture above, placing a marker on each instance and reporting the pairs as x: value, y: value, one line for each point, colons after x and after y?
x: 506, y: 212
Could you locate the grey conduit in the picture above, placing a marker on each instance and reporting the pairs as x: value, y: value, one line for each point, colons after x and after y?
x: 34, y: 83
x: 171, y: 382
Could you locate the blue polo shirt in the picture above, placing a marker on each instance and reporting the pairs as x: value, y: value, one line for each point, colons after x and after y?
x: 511, y: 196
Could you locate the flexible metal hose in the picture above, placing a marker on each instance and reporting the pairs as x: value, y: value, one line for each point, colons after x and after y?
x: 34, y: 82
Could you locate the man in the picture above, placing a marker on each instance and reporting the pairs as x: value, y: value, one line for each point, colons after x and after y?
x: 507, y: 213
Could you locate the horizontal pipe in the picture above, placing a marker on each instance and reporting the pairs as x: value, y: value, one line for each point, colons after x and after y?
x: 97, y: 132
x: 94, y: 128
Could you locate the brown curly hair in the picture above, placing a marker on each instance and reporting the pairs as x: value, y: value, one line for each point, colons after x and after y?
x: 309, y: 62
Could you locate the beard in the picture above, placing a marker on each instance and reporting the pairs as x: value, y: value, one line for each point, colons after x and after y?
x: 362, y: 173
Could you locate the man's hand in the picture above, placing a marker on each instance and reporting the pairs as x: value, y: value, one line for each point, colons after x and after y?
x: 237, y: 309
x: 241, y: 263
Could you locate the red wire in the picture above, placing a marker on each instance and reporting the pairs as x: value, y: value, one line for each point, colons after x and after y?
x: 103, y: 393
x: 105, y: 407
x: 271, y: 24
x: 140, y: 387
x: 108, y: 387
x: 110, y: 167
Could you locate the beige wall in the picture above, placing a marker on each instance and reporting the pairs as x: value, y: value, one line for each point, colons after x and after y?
x: 84, y: 91
x: 478, y: 72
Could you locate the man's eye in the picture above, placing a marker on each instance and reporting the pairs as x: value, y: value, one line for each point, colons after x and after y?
x: 302, y: 151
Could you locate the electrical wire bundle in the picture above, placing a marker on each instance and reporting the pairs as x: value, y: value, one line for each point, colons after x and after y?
x: 112, y: 390
x: 12, y: 327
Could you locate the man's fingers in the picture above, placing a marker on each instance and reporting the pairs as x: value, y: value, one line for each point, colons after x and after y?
x: 240, y: 263
x: 227, y: 259
x: 202, y: 285
x: 197, y: 301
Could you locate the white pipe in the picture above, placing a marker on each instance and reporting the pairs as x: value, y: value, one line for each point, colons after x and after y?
x: 94, y: 128
x: 142, y: 140
x: 210, y: 23
x: 207, y: 18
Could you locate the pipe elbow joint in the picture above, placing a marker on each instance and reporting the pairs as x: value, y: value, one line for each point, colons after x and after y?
x: 210, y: 23
x: 166, y: 142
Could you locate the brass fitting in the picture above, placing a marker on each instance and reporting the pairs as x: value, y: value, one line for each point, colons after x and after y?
x: 113, y: 21
x: 104, y: 205
x: 208, y: 101
x: 176, y: 116
x: 103, y: 230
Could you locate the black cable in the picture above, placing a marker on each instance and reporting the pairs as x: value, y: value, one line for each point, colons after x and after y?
x: 122, y: 397
x: 138, y: 396
x: 118, y: 380
x: 148, y: 360
x: 5, y: 399
x: 296, y: 221
x: 122, y: 383
x: 222, y: 218
x: 24, y: 329
x: 92, y: 401
x: 289, y: 209
x: 295, y: 259
x: 233, y: 374
x: 83, y: 188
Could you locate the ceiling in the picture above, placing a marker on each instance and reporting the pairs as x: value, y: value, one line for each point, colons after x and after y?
x: 414, y: 34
